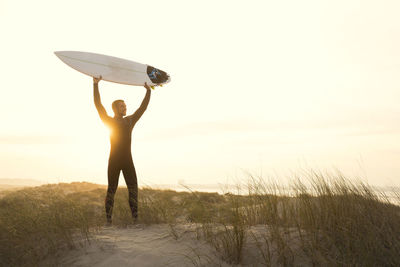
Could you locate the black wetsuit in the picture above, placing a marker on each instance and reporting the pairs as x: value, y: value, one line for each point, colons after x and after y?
x: 120, y: 153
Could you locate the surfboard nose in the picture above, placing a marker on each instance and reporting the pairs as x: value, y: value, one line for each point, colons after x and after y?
x: 57, y: 53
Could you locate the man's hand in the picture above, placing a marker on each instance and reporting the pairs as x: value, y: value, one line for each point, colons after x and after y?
x: 96, y: 80
x: 146, y: 86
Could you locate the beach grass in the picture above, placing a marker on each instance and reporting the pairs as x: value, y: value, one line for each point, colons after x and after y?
x: 316, y: 219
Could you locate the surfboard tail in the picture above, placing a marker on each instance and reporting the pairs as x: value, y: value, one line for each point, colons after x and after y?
x: 157, y: 76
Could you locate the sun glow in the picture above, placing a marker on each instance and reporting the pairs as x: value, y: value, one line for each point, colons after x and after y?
x: 262, y: 86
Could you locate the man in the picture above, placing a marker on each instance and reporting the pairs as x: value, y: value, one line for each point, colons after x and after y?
x: 120, y: 153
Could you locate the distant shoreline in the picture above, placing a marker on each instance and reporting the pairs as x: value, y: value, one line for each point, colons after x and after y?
x: 15, y: 184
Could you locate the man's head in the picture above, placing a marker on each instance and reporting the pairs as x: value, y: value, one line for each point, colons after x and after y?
x: 119, y: 108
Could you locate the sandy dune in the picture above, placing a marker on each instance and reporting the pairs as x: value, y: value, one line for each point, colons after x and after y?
x: 141, y: 245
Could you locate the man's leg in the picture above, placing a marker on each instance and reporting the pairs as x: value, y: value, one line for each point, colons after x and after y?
x: 131, y: 182
x: 113, y: 175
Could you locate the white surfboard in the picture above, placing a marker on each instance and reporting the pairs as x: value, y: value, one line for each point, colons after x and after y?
x: 113, y: 69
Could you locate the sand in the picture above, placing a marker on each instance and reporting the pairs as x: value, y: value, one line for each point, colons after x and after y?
x: 140, y: 245
x: 161, y: 245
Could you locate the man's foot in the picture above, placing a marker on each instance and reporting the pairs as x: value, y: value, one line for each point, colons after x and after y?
x: 134, y: 217
x: 108, y: 223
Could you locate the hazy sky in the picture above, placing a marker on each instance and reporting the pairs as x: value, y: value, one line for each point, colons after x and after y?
x: 269, y: 87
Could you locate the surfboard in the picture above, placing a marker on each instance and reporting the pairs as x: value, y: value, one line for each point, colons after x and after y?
x: 113, y: 69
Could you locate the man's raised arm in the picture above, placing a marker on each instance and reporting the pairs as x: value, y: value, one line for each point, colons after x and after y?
x: 139, y: 112
x: 97, y: 101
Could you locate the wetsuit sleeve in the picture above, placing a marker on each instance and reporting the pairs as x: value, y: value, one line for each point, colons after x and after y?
x: 139, y: 112
x: 100, y: 109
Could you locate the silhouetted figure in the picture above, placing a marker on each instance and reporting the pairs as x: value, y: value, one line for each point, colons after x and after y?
x: 120, y: 153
